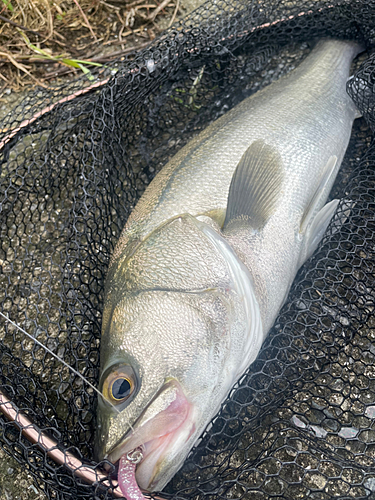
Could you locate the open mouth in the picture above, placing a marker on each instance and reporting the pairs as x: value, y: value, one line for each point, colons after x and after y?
x: 159, y: 433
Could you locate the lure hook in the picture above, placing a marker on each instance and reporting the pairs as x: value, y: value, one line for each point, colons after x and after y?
x: 135, y: 456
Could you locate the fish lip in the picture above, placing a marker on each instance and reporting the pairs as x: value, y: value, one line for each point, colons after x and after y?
x: 116, y: 452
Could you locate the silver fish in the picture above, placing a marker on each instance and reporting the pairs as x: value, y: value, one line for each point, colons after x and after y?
x: 208, y: 256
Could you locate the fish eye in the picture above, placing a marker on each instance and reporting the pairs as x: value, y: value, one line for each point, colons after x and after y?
x: 121, y: 388
x: 119, y: 384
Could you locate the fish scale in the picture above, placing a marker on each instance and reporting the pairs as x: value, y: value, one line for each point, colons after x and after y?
x: 193, y: 288
x: 196, y: 180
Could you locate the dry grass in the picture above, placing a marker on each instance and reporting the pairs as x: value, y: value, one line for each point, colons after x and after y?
x: 41, y: 40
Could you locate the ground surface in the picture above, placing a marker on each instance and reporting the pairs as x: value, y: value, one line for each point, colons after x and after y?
x: 15, y: 483
x: 42, y: 42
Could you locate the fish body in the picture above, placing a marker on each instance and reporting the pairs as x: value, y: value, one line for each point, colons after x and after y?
x: 208, y: 256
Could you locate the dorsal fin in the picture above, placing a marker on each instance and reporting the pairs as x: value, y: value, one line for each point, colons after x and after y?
x: 256, y: 186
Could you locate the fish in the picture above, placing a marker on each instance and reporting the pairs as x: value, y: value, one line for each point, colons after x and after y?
x: 207, y: 258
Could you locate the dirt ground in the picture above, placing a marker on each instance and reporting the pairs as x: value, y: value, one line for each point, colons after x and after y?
x: 43, y: 42
x: 16, y: 482
x: 53, y: 73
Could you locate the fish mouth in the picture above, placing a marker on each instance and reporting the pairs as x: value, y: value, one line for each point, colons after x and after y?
x: 160, y: 431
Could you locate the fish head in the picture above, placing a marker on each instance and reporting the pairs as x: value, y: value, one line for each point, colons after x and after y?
x: 175, y: 337
x: 166, y: 367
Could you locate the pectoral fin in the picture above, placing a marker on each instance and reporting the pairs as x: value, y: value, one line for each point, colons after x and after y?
x: 317, y: 229
x: 314, y: 221
x: 255, y: 187
x: 321, y: 192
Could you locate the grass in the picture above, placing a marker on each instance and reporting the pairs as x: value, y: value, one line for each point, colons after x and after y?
x: 42, y: 41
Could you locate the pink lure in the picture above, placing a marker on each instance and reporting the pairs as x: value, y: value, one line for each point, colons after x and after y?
x: 126, y: 475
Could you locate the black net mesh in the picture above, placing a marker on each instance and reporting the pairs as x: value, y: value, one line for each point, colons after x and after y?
x: 74, y: 161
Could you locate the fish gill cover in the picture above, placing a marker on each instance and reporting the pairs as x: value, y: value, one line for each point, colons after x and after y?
x: 75, y: 160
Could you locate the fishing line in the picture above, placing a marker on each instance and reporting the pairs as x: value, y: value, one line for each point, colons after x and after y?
x: 58, y: 358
